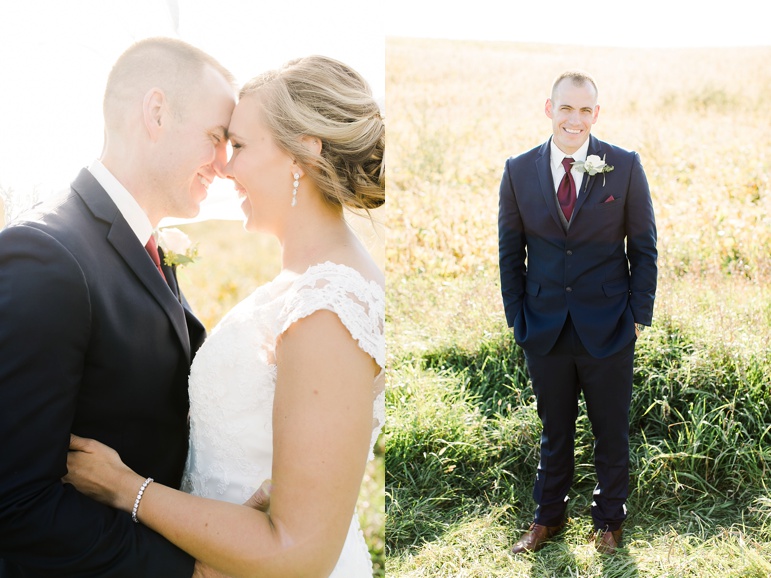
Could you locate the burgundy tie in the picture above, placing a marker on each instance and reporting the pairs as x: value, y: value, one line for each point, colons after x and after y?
x: 566, y: 193
x: 152, y: 250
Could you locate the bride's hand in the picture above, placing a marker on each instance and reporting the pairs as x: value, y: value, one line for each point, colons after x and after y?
x: 98, y: 472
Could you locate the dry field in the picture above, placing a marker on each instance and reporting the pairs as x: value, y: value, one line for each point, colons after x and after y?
x: 697, y: 117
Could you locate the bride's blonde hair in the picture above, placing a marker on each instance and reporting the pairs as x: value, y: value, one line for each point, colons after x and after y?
x: 321, y: 97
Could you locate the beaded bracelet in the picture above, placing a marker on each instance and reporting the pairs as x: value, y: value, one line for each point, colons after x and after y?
x: 139, y: 498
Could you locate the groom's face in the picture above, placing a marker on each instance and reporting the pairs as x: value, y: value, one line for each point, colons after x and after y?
x: 196, y: 146
x: 573, y: 109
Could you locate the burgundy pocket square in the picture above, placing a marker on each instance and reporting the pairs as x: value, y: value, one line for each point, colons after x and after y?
x: 610, y: 199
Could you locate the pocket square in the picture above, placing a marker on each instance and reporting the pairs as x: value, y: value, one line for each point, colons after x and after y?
x: 610, y: 199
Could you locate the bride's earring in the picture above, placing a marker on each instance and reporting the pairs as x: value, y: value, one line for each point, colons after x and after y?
x: 294, y: 191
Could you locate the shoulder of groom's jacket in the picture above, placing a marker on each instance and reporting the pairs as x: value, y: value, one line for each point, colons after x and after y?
x: 525, y: 157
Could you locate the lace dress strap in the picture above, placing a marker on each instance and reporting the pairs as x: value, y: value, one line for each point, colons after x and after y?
x: 360, y: 304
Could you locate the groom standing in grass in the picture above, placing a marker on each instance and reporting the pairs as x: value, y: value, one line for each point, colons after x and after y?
x: 577, y: 251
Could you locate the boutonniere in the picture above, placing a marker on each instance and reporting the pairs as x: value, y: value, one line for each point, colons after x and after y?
x: 177, y: 247
x: 593, y: 165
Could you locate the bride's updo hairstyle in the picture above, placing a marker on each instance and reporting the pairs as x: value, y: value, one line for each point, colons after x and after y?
x: 321, y: 97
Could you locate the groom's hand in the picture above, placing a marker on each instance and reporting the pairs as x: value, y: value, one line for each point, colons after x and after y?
x: 260, y: 499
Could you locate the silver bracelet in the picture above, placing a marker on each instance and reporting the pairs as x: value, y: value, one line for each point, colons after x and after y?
x: 139, y: 498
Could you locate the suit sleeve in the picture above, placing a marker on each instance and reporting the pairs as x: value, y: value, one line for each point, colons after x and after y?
x: 511, y: 248
x: 641, y: 245
x: 47, y: 527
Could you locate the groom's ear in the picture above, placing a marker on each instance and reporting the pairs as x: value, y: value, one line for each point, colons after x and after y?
x: 153, y: 112
x: 548, y: 107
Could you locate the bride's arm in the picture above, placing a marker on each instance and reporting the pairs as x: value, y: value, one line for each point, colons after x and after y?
x: 322, y: 424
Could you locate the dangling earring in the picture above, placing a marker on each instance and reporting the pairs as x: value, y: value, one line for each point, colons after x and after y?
x: 294, y: 191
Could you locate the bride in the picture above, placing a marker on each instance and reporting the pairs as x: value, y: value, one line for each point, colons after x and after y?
x: 289, y: 385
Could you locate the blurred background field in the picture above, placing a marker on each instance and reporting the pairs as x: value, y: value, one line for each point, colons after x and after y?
x: 462, y: 434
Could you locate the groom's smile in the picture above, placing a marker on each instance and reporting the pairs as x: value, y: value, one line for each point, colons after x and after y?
x: 573, y: 110
x: 204, y: 181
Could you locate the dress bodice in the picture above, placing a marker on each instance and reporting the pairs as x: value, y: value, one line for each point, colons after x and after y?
x: 233, y: 380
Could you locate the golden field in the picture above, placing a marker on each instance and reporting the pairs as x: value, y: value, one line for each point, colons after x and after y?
x: 457, y: 110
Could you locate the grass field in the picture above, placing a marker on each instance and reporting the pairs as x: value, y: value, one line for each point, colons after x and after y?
x: 462, y: 434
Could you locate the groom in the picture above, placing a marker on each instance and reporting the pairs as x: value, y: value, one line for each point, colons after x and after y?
x: 577, y: 250
x: 95, y: 338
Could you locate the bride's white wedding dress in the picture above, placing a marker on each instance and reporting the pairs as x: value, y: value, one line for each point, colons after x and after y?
x: 233, y: 379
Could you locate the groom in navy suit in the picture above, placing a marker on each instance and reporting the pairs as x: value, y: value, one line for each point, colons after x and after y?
x: 577, y: 251
x: 95, y: 337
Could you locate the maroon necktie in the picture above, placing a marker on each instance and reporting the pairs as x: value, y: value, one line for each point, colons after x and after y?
x: 566, y: 193
x: 152, y: 250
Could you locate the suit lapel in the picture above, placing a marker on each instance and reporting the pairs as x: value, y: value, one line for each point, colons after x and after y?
x: 546, y: 182
x: 595, y: 148
x: 195, y: 330
x: 125, y: 242
x: 170, y: 273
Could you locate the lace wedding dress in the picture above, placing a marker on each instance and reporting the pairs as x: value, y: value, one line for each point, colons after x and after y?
x: 233, y: 379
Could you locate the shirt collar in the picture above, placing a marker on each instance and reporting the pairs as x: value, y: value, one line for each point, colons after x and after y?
x: 126, y: 203
x: 557, y: 155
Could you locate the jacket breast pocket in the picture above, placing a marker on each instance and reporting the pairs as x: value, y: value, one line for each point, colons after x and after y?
x: 610, y: 205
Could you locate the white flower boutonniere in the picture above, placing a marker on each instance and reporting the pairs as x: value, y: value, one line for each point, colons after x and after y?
x: 593, y: 165
x: 177, y: 247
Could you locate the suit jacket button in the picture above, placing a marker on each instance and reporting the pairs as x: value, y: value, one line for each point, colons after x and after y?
x: 568, y: 289
x: 569, y: 253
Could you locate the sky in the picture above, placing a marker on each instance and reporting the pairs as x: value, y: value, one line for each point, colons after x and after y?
x: 643, y: 23
x: 55, y: 55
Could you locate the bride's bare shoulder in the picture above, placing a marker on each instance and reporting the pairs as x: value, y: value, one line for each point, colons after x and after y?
x: 358, y: 259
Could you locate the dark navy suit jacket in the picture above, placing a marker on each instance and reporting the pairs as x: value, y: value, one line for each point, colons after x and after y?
x: 93, y: 342
x: 601, y: 271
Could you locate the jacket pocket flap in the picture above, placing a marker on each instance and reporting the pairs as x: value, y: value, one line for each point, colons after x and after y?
x: 616, y: 287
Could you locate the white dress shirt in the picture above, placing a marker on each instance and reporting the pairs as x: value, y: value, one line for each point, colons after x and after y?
x: 126, y: 203
x: 558, y: 171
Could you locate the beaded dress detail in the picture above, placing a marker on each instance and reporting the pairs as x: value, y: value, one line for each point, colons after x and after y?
x: 233, y: 379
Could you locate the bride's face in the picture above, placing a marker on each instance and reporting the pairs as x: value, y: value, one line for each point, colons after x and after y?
x: 262, y: 172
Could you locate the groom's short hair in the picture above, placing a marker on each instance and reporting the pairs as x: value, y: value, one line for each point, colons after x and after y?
x: 577, y: 77
x: 170, y: 64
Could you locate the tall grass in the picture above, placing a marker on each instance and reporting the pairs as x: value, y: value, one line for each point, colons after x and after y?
x: 463, y: 432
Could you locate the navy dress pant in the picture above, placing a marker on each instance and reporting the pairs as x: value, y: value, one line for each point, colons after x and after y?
x: 558, y: 378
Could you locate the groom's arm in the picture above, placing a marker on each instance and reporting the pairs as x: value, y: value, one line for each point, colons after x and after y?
x: 511, y: 248
x: 640, y: 226
x: 46, y: 527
